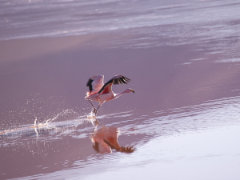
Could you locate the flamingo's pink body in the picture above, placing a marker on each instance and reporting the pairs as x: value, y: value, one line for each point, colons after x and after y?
x: 101, y: 93
x: 106, y: 138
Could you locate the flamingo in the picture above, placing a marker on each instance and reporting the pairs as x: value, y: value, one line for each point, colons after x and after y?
x: 106, y: 138
x: 101, y: 93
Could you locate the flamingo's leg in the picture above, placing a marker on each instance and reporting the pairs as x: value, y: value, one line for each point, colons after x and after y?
x: 94, y: 109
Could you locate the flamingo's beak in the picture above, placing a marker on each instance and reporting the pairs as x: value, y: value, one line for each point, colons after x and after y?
x: 132, y: 91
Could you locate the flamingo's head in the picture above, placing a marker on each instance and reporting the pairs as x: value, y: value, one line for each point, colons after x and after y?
x: 129, y: 91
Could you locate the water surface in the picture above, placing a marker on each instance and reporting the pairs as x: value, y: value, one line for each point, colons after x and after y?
x: 183, y: 61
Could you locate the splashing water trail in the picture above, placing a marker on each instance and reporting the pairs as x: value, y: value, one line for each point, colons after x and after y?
x: 49, y: 124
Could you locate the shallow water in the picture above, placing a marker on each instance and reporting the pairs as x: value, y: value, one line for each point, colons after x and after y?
x: 183, y: 61
x: 178, y: 140
x: 145, y: 23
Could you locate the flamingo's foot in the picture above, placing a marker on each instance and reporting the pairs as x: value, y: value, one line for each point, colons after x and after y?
x: 91, y: 115
x: 92, y: 118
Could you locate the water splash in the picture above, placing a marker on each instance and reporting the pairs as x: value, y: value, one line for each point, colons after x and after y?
x: 37, y: 126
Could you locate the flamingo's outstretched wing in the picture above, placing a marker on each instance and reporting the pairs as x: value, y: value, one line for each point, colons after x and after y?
x: 95, y: 83
x: 118, y: 79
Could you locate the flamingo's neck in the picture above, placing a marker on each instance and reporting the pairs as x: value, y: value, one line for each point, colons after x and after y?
x: 120, y: 94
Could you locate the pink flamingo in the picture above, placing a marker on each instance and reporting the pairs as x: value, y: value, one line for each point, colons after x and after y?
x: 106, y: 138
x: 101, y: 93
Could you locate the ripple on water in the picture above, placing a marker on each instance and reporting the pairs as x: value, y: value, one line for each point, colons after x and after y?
x: 146, y: 132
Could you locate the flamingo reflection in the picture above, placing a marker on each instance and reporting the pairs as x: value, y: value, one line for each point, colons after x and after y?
x: 106, y: 138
